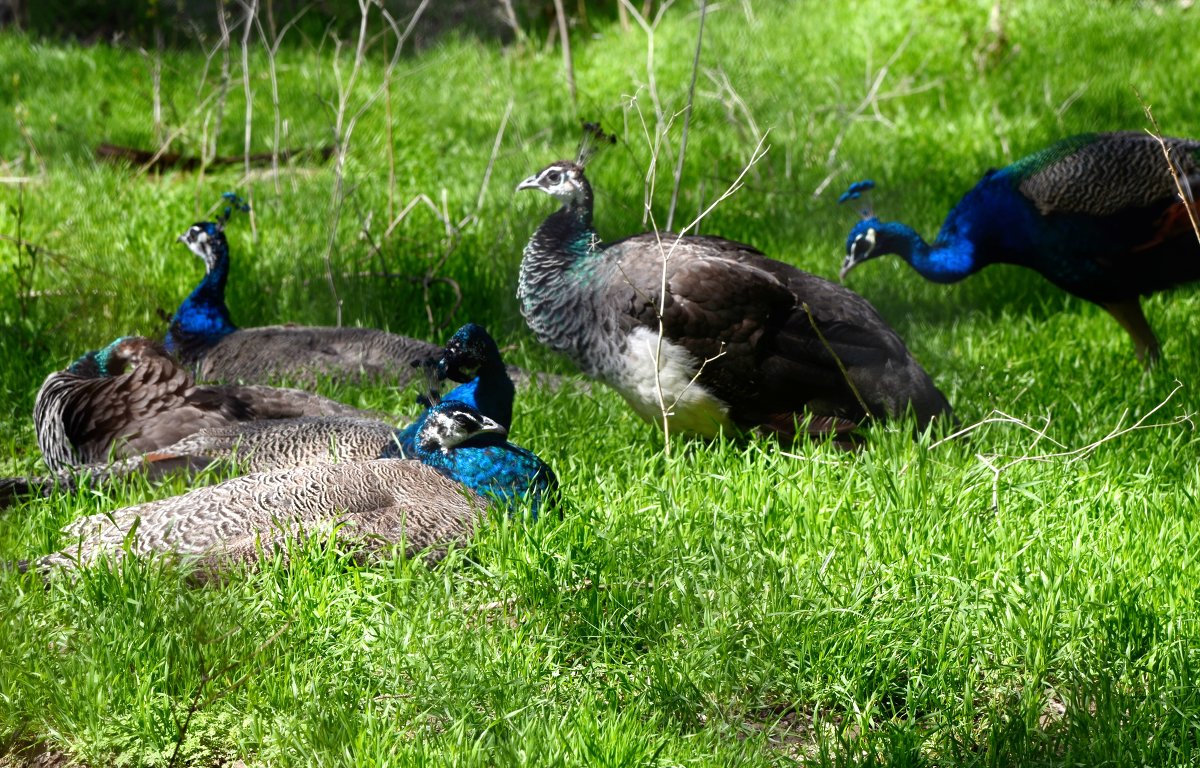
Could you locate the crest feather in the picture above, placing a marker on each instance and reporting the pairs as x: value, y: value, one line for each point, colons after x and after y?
x: 860, y: 190
x: 594, y: 138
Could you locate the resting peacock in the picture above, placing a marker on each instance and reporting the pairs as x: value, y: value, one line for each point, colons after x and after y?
x: 202, y: 334
x: 746, y: 341
x: 465, y: 466
x: 131, y: 397
x: 1099, y: 215
x: 470, y: 356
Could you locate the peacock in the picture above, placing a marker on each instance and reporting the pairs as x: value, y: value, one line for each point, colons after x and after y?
x: 465, y: 467
x: 470, y: 356
x: 1100, y: 215
x: 202, y: 334
x: 746, y: 341
x: 131, y: 398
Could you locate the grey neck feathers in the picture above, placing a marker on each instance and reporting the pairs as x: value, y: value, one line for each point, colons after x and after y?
x: 563, y: 288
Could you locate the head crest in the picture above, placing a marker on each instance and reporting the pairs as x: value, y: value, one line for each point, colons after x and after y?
x: 431, y: 385
x: 860, y: 190
x: 235, y: 203
x: 594, y: 138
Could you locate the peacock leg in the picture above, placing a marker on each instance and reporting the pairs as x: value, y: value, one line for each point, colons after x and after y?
x: 1129, y: 315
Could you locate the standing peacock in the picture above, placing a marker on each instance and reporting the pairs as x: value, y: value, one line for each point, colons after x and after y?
x: 131, y: 397
x: 1099, y: 215
x: 746, y: 341
x: 202, y: 334
x: 465, y: 465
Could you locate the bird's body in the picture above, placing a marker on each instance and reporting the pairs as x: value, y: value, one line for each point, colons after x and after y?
x: 470, y: 356
x: 746, y: 341
x: 1098, y: 215
x: 202, y: 334
x: 464, y: 466
x: 132, y: 398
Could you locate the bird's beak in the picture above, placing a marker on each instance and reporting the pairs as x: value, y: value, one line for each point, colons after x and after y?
x: 847, y: 265
x: 491, y: 427
x: 182, y: 238
x: 530, y: 183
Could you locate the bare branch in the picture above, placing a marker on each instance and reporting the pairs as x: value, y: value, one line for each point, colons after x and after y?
x: 687, y: 116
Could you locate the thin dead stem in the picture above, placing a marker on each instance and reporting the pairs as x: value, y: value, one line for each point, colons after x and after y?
x: 271, y: 46
x: 568, y: 63
x: 251, y: 18
x: 1069, y: 455
x: 841, y: 367
x: 345, y: 121
x: 687, y: 116
x: 1182, y: 187
x: 666, y: 409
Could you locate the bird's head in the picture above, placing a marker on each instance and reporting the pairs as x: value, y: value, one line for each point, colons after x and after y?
x: 564, y: 181
x: 450, y: 424
x: 122, y: 355
x: 468, y: 351
x: 862, y: 241
x: 862, y: 244
x: 206, y: 239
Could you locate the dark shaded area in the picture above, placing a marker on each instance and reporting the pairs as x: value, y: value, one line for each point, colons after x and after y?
x: 185, y: 23
x: 119, y: 155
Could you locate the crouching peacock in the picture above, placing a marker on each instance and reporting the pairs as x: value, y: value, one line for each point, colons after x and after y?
x: 202, y: 334
x: 465, y: 467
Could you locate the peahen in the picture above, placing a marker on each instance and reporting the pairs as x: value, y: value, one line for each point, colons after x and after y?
x: 131, y: 397
x: 470, y: 356
x: 747, y: 341
x: 465, y: 466
x: 202, y: 334
x: 1099, y: 215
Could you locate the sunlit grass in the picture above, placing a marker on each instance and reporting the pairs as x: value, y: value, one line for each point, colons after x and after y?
x: 734, y: 603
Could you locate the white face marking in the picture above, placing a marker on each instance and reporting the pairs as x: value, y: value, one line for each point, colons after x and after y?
x: 448, y: 428
x: 560, y: 183
x: 693, y: 408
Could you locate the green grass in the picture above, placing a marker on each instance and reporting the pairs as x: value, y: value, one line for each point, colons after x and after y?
x: 728, y: 604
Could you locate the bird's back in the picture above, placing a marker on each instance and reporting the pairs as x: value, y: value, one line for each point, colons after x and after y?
x: 304, y: 353
x: 770, y: 332
x: 372, y: 504
x: 1099, y: 215
x: 266, y: 445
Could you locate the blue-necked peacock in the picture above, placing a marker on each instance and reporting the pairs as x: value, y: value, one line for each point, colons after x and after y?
x: 1099, y: 215
x: 202, y: 334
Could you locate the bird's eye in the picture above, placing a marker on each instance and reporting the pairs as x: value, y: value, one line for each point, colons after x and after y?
x: 554, y: 177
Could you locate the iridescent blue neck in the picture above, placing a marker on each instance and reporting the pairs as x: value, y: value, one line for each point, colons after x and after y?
x: 491, y: 466
x: 202, y: 319
x: 491, y: 393
x: 951, y: 257
x: 487, y: 464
